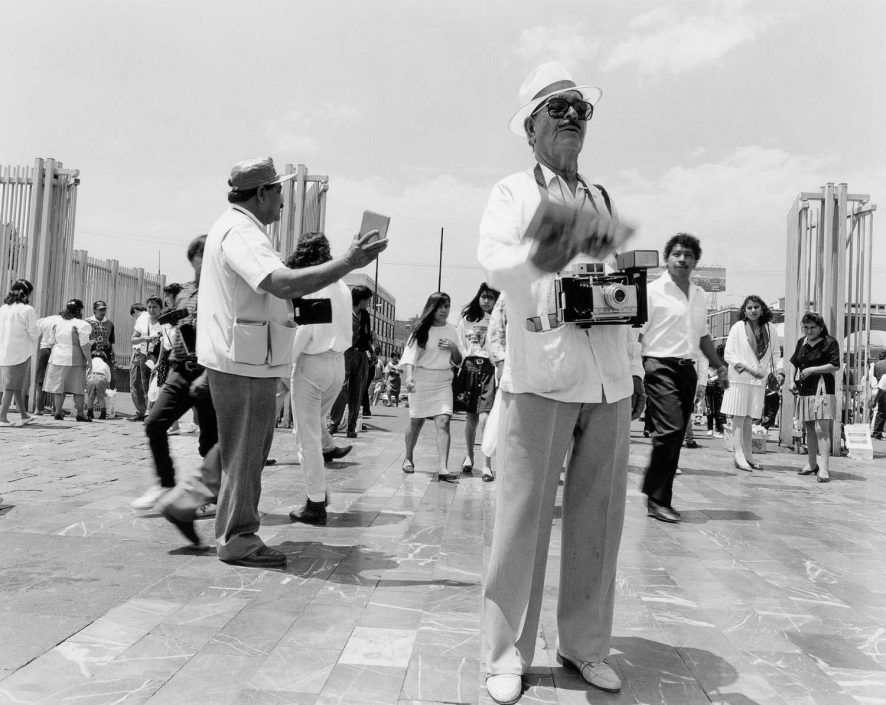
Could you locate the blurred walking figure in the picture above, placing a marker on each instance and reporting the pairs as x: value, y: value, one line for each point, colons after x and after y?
x: 713, y: 397
x: 18, y: 341
x: 477, y: 374
x: 750, y: 356
x: 431, y: 351
x: 816, y: 358
x: 356, y: 363
x: 71, y: 353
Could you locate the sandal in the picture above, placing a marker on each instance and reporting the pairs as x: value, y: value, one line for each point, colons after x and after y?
x: 487, y: 475
x: 467, y: 465
x: 408, y: 467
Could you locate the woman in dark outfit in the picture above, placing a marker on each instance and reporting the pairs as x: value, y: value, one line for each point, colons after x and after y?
x: 815, y: 359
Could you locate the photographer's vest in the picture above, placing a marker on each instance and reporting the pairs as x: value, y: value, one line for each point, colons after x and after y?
x: 540, y: 323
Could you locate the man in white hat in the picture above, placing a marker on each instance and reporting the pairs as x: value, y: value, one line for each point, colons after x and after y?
x: 562, y: 385
x: 244, y: 340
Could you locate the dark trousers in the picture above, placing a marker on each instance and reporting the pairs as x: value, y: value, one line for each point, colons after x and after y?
x: 670, y: 394
x: 351, y: 394
x: 174, y: 400
x: 713, y: 398
x: 881, y: 413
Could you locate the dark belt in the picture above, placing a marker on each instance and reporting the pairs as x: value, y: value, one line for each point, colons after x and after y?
x: 682, y: 361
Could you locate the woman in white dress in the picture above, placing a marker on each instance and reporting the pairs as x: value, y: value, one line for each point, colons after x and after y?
x: 750, y: 356
x: 431, y: 351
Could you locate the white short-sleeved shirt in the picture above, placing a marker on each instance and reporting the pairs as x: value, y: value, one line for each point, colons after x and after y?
x: 61, y: 338
x: 431, y: 357
x: 237, y: 257
x: 18, y: 333
x: 45, y: 325
x: 676, y: 323
x: 472, y: 336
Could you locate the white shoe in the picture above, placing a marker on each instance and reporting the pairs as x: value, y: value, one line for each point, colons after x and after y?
x: 710, y: 433
x: 207, y: 510
x: 596, y: 673
x: 149, y: 499
x: 678, y: 471
x: 504, y: 688
x: 718, y: 435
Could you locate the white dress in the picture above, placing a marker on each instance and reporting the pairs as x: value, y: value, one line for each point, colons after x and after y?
x: 745, y: 394
x: 432, y: 372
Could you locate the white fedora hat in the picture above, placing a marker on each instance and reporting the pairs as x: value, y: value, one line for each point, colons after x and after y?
x: 543, y: 82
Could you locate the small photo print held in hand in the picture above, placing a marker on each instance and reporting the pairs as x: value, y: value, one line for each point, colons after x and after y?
x: 374, y: 221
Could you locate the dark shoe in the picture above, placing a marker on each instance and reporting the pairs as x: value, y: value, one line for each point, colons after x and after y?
x: 808, y: 471
x: 367, y: 413
x: 447, y: 477
x: 336, y: 453
x: 488, y: 477
x: 271, y: 461
x: 90, y: 415
x: 103, y: 415
x: 332, y: 429
x: 352, y: 434
x: 466, y: 465
x: 755, y: 466
x: 645, y: 434
x: 692, y: 445
x: 138, y: 417
x: 83, y: 418
x: 877, y: 436
x: 312, y: 513
x: 264, y: 557
x: 662, y: 513
x: 59, y: 417
x: 185, y: 526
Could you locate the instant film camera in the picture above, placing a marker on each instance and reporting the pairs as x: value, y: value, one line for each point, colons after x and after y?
x: 587, y: 296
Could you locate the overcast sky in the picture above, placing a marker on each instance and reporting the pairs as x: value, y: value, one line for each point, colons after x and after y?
x: 715, y: 115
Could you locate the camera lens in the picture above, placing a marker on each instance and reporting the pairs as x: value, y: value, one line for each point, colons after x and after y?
x: 615, y: 295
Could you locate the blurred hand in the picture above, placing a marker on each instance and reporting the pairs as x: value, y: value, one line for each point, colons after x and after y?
x: 410, y: 384
x: 365, y: 249
x: 199, y: 388
x: 638, y: 399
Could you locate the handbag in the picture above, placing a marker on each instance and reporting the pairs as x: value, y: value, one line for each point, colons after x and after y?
x: 821, y: 402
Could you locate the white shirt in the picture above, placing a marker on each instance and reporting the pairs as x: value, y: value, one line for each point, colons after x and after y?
x: 18, y: 333
x: 147, y: 329
x: 327, y: 337
x: 62, y: 340
x: 45, y: 325
x: 738, y: 349
x: 472, y: 336
x: 567, y: 363
x: 431, y: 357
x: 676, y: 323
x: 233, y: 308
x: 100, y: 367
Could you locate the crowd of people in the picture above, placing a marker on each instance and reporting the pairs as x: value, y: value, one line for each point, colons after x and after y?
x: 537, y: 392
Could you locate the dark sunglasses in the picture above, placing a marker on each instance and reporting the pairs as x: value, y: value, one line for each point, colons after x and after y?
x: 558, y: 107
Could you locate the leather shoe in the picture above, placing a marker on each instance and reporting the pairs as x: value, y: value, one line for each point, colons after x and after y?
x: 692, y: 445
x: 661, y: 512
x: 808, y: 471
x: 504, y: 688
x: 596, y: 673
x: 186, y: 526
x: 351, y: 434
x: 264, y: 557
x: 336, y: 453
x: 312, y: 513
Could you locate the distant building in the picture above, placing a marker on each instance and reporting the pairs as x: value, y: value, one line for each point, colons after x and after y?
x: 383, y: 311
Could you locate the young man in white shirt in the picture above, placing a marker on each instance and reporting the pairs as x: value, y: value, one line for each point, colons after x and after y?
x: 675, y: 334
x: 244, y: 340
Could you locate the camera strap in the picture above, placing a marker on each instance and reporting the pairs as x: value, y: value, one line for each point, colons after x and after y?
x: 545, y: 194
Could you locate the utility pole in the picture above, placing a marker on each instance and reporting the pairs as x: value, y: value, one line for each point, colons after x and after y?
x: 440, y: 265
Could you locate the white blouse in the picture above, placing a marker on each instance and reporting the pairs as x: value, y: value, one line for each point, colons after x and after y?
x: 738, y: 349
x: 61, y: 339
x: 432, y: 357
x: 472, y: 336
x: 18, y: 333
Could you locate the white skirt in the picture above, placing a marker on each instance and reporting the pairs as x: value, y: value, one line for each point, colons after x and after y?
x: 743, y: 400
x: 432, y: 395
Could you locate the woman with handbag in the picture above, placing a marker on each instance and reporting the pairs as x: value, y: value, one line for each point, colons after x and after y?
x: 476, y: 382
x: 815, y: 360
x: 749, y: 354
x: 431, y: 350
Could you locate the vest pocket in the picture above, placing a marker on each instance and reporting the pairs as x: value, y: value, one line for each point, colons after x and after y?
x: 281, y: 339
x: 249, y: 342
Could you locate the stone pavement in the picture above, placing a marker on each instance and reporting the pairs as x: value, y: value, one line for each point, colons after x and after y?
x: 770, y: 592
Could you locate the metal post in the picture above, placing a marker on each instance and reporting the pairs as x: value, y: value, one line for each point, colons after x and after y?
x: 440, y: 265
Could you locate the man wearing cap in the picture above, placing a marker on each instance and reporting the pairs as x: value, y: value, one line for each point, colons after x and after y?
x: 562, y: 385
x: 102, y: 336
x: 244, y: 340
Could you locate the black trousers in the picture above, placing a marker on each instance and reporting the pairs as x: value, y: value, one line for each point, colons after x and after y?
x: 713, y: 397
x: 174, y: 400
x: 880, y: 418
x: 670, y: 395
x: 351, y: 395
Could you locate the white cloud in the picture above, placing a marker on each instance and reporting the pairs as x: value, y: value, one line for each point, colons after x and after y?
x: 662, y: 40
x: 570, y: 43
x: 293, y: 133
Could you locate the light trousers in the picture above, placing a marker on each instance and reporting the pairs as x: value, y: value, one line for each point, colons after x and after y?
x: 231, y: 470
x: 316, y: 383
x: 534, y: 436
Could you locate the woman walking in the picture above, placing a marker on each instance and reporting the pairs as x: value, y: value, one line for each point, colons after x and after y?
x: 815, y: 359
x: 66, y: 372
x: 18, y: 339
x: 477, y: 372
x: 431, y: 351
x: 749, y: 354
